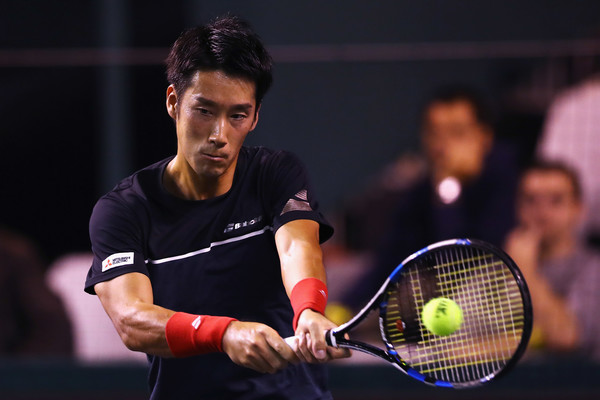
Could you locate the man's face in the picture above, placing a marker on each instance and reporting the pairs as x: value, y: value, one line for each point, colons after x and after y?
x: 454, y: 141
x: 547, y: 204
x: 213, y: 117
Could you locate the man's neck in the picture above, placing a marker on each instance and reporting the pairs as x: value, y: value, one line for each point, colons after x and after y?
x: 182, y: 181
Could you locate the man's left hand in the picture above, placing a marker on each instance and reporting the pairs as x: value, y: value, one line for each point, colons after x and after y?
x: 311, y: 345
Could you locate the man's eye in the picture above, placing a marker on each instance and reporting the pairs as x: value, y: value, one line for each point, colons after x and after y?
x: 203, y: 111
x: 238, y: 117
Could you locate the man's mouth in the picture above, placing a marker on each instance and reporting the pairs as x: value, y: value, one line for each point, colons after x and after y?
x: 214, y: 157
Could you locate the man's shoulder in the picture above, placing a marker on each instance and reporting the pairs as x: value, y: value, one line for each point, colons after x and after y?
x: 137, y: 187
x: 268, y: 164
x: 265, y: 155
x: 590, y: 256
x: 582, y: 264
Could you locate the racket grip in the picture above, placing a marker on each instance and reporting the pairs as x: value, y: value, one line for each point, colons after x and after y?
x: 330, y: 339
x: 292, y: 341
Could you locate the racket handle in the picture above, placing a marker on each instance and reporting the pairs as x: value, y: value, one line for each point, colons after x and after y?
x: 330, y: 338
x: 292, y: 341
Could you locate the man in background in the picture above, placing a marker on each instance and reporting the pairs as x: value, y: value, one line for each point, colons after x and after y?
x: 562, y: 273
x: 571, y: 136
x: 33, y: 321
x: 466, y: 189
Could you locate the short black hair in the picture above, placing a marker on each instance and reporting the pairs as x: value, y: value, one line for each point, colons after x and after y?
x: 454, y: 93
x: 544, y: 165
x: 226, y: 43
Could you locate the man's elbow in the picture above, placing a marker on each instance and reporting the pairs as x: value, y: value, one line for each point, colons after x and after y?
x: 131, y: 342
x: 125, y: 325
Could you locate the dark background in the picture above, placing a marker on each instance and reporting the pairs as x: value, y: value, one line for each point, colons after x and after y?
x: 83, y: 88
x: 82, y: 106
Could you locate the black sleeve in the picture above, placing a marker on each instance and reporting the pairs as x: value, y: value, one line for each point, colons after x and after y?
x: 289, y: 195
x: 117, y: 242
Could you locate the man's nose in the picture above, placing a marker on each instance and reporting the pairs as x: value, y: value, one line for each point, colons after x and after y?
x: 218, y: 134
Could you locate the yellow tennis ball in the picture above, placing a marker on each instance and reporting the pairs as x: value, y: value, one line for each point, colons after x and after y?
x: 338, y: 313
x: 442, y: 316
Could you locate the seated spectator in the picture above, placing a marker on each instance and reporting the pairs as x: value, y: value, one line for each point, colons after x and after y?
x: 571, y: 135
x: 95, y: 339
x: 467, y: 189
x: 33, y: 322
x: 563, y: 274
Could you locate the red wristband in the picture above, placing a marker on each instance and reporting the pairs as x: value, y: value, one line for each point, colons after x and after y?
x: 308, y: 293
x: 190, y: 335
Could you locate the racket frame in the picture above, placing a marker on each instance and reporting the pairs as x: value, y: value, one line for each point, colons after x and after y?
x: 335, y: 337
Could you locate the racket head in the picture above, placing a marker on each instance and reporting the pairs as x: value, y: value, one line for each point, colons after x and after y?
x: 497, y: 314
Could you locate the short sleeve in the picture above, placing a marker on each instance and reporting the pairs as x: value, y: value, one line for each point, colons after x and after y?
x: 116, y: 237
x: 289, y: 194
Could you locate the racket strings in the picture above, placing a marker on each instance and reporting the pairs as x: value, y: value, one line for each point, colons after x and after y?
x: 485, y: 289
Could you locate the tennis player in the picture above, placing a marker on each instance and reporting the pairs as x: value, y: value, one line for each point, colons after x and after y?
x: 206, y: 259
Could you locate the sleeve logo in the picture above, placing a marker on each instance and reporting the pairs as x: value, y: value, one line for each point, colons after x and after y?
x: 117, y: 260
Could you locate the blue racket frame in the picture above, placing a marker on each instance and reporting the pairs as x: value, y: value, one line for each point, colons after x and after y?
x: 335, y: 337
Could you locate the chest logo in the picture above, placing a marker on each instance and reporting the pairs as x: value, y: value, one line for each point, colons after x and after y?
x: 238, y: 225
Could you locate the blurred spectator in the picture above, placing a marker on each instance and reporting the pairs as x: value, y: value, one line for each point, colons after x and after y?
x: 33, y: 322
x: 571, y: 135
x: 562, y: 273
x: 95, y: 339
x: 466, y: 190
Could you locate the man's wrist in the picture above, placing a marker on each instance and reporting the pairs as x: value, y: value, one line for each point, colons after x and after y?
x: 189, y: 334
x: 309, y: 293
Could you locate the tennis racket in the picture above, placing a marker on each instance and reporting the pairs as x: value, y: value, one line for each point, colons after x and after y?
x: 497, y: 315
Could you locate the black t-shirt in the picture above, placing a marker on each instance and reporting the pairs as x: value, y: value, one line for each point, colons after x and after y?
x: 215, y: 257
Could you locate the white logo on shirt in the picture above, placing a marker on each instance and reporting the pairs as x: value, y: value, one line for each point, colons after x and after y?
x: 237, y: 225
x: 117, y: 260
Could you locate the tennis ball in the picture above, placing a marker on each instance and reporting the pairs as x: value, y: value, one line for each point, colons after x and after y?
x: 338, y: 313
x: 442, y: 316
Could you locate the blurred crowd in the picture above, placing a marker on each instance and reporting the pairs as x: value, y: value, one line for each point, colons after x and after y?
x: 468, y: 182
x: 465, y: 182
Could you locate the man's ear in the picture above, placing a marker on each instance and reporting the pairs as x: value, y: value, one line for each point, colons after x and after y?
x: 255, y: 118
x: 172, y: 102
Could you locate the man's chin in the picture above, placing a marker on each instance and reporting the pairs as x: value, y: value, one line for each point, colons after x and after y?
x: 212, y: 172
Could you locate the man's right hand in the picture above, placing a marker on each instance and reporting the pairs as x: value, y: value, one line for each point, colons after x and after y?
x: 257, y: 346
x: 523, y: 245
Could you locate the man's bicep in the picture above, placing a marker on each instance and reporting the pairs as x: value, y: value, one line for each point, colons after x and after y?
x: 123, y: 292
x: 299, y: 252
x: 300, y: 230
